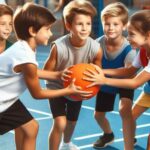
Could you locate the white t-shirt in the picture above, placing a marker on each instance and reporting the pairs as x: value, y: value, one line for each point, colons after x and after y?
x: 12, y: 84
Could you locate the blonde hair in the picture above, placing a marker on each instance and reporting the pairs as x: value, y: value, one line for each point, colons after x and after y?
x: 115, y: 10
x: 78, y: 7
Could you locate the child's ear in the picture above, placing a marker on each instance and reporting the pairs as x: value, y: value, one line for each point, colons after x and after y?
x: 68, y: 26
x: 32, y: 32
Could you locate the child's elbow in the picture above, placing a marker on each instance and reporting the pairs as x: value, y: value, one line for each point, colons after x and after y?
x: 37, y: 95
x: 135, y: 85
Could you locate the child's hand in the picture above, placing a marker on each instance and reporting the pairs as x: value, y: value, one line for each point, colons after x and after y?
x: 65, y: 74
x: 77, y: 90
x: 97, y: 78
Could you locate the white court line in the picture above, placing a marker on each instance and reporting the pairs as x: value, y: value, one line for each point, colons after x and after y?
x: 91, y: 108
x: 43, y: 118
x: 88, y: 136
x: 39, y: 112
x: 115, y: 141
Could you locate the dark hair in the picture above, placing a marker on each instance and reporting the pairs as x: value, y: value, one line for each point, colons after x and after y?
x: 31, y: 15
x: 141, y: 21
x: 5, y: 10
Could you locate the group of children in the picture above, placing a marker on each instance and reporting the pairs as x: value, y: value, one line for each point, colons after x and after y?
x: 32, y: 24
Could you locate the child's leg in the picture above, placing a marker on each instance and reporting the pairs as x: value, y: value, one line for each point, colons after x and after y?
x: 69, y: 131
x: 73, y: 110
x: 104, y: 103
x: 103, y: 122
x: 57, y: 130
x: 138, y: 108
x: 148, y: 143
x: 18, y: 138
x: 25, y: 136
x: 125, y: 109
x: 127, y: 123
x: 58, y: 109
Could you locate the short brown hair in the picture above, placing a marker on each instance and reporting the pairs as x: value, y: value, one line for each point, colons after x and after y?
x: 141, y: 21
x: 115, y: 10
x: 78, y: 7
x: 5, y: 10
x: 31, y: 15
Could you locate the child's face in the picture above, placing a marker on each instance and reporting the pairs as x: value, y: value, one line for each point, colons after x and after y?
x: 5, y: 26
x: 43, y: 35
x: 113, y: 27
x: 81, y: 27
x: 135, y: 38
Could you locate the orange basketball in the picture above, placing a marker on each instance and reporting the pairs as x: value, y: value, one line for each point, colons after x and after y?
x: 77, y: 73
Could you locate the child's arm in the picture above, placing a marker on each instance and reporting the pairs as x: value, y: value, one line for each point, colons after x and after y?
x: 32, y: 81
x: 44, y: 74
x: 98, y: 59
x: 52, y: 59
x: 121, y: 72
x: 99, y: 79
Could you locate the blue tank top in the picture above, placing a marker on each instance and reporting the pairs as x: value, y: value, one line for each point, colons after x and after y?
x: 115, y: 63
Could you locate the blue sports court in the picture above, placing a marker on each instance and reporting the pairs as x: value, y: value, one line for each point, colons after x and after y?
x: 86, y: 131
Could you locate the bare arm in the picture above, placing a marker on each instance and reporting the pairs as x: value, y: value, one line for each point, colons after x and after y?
x: 49, y: 67
x: 32, y: 81
x: 133, y: 83
x: 121, y: 72
x: 98, y: 59
x: 44, y: 74
x: 99, y: 79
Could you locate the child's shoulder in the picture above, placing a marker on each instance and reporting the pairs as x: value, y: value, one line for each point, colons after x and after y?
x: 100, y: 39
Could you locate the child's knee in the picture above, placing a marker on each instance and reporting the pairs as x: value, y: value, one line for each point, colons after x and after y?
x: 99, y: 116
x: 31, y: 130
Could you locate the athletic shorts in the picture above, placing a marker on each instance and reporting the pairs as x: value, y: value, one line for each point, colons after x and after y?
x: 63, y: 107
x: 13, y: 117
x: 105, y: 101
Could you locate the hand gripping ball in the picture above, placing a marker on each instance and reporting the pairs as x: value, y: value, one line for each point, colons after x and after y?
x: 77, y: 73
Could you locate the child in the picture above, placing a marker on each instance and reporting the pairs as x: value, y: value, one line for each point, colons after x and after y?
x: 6, y: 14
x: 73, y: 48
x: 139, y: 37
x: 116, y: 53
x: 19, y: 71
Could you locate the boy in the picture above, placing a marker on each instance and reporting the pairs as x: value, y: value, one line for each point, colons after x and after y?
x: 6, y: 15
x: 19, y: 71
x: 116, y: 53
x: 76, y: 47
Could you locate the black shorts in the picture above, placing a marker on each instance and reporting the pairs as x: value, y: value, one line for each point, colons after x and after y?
x: 13, y: 117
x: 105, y: 101
x: 63, y: 107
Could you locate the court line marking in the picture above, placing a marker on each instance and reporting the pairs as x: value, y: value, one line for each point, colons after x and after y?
x: 115, y: 141
x: 39, y: 112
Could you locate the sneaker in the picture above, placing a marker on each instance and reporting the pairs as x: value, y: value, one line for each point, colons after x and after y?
x: 69, y: 146
x: 104, y: 140
x: 135, y: 141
